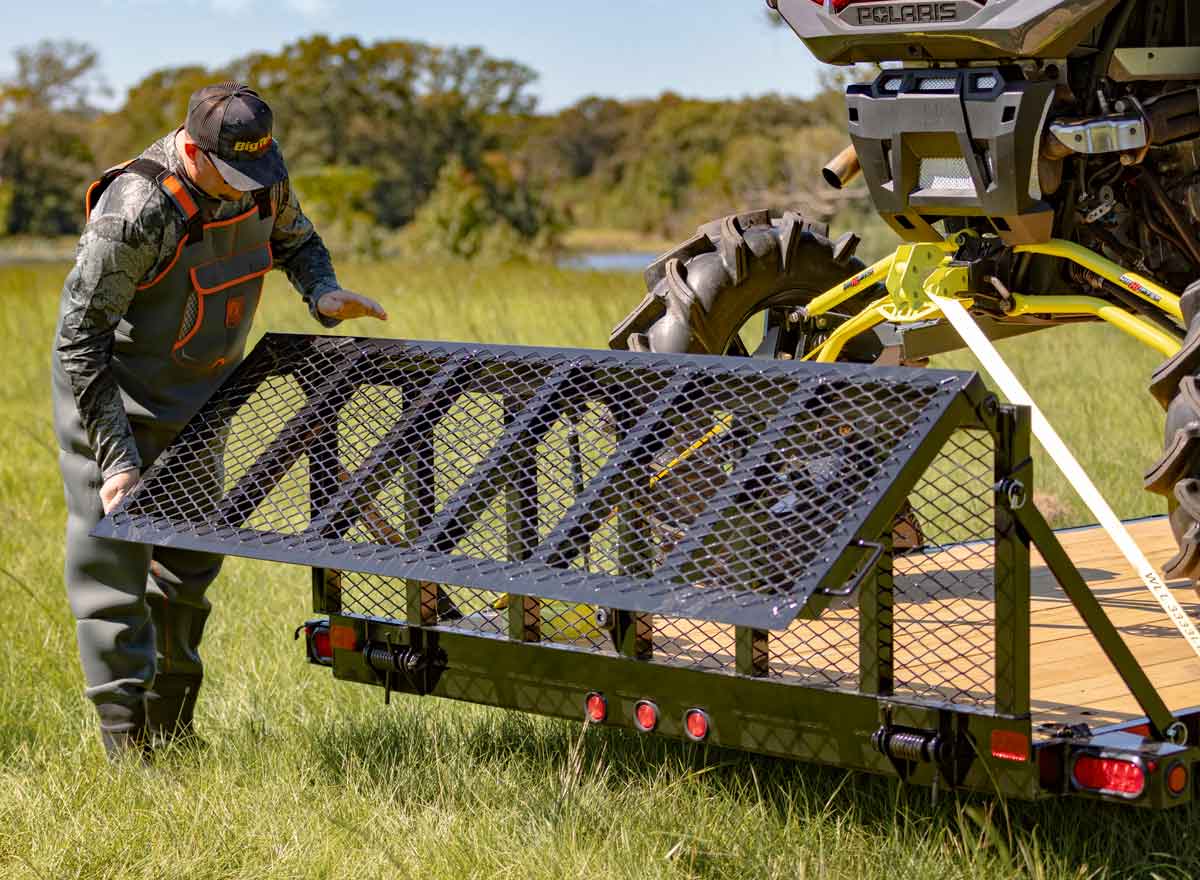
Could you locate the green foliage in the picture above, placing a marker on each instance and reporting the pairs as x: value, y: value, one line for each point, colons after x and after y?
x: 391, y: 112
x: 45, y: 156
x: 398, y: 108
x: 481, y: 216
x: 382, y: 134
x: 338, y: 198
x: 153, y: 107
x: 662, y: 166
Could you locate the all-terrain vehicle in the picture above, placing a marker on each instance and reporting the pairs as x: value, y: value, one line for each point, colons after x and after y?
x: 1041, y: 158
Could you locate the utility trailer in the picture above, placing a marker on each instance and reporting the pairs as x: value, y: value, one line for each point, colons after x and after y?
x: 834, y: 563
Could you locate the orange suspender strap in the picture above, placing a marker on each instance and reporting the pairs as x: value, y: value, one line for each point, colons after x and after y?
x: 176, y: 191
x: 97, y: 188
x: 170, y: 184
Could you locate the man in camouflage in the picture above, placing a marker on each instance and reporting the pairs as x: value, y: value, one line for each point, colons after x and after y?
x: 154, y: 315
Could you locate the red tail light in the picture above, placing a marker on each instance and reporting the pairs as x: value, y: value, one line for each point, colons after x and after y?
x: 322, y: 645
x: 695, y: 722
x: 645, y: 715
x: 595, y: 707
x: 1109, y: 775
x: 318, y: 642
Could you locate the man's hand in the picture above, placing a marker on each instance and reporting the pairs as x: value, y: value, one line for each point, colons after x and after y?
x: 116, y: 487
x: 345, y: 304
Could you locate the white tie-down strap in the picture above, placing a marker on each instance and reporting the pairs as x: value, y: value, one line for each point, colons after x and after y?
x: 983, y: 349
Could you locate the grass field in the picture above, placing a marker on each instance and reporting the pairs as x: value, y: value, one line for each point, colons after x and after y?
x: 307, y: 779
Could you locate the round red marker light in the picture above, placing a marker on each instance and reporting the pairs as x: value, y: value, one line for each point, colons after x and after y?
x: 695, y: 722
x: 1177, y: 779
x: 596, y: 708
x: 645, y: 716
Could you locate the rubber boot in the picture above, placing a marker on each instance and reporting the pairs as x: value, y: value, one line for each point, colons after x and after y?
x: 170, y: 707
x: 123, y: 732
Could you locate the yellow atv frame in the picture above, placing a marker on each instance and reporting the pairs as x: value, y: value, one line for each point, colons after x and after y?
x: 915, y: 273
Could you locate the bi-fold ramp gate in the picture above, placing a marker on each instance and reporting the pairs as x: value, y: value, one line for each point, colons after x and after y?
x: 845, y: 546
x: 446, y: 463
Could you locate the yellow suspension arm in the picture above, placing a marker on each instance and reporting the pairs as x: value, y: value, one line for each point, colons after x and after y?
x: 835, y: 296
x: 1140, y: 287
x: 829, y: 350
x: 1139, y: 328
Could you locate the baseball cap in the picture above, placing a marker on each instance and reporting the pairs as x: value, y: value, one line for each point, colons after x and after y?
x: 232, y: 124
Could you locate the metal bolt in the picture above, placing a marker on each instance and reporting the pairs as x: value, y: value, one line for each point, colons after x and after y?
x: 1014, y: 492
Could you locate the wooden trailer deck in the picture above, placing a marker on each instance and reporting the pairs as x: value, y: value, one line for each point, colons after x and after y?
x: 1071, y: 678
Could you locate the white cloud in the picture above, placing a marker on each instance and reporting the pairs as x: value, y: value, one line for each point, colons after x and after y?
x: 305, y: 8
x: 312, y: 8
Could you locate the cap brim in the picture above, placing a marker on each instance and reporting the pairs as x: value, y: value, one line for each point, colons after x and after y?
x: 266, y: 170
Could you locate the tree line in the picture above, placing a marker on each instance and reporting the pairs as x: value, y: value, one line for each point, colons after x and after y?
x: 432, y: 149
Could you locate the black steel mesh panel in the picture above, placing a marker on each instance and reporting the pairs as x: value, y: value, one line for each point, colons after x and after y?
x: 707, y: 488
x: 569, y: 623
x: 944, y: 613
x: 372, y: 596
x: 699, y: 644
x: 944, y: 610
x: 820, y: 652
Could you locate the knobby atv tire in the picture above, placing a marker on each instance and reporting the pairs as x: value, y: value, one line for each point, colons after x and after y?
x: 1176, y: 475
x: 699, y: 297
x: 701, y: 293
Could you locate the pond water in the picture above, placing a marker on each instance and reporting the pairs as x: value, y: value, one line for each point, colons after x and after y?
x: 610, y: 261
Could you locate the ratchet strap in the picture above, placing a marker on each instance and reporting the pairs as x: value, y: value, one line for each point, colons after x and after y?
x: 1007, y: 381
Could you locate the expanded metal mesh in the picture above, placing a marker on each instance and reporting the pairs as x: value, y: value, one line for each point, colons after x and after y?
x: 688, y: 487
x: 944, y: 595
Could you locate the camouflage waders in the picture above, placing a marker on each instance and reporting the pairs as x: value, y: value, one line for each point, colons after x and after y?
x: 141, y: 614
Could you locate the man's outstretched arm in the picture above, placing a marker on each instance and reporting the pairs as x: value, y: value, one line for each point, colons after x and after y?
x: 298, y: 249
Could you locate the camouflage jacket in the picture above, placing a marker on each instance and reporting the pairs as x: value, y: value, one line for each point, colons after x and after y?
x: 132, y: 235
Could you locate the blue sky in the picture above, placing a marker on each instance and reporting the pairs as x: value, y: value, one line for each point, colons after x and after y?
x: 625, y: 48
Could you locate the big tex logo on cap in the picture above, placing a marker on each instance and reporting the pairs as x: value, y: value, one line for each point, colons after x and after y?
x: 252, y: 146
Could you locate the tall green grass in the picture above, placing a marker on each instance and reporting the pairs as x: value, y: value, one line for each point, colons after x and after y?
x: 309, y: 779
